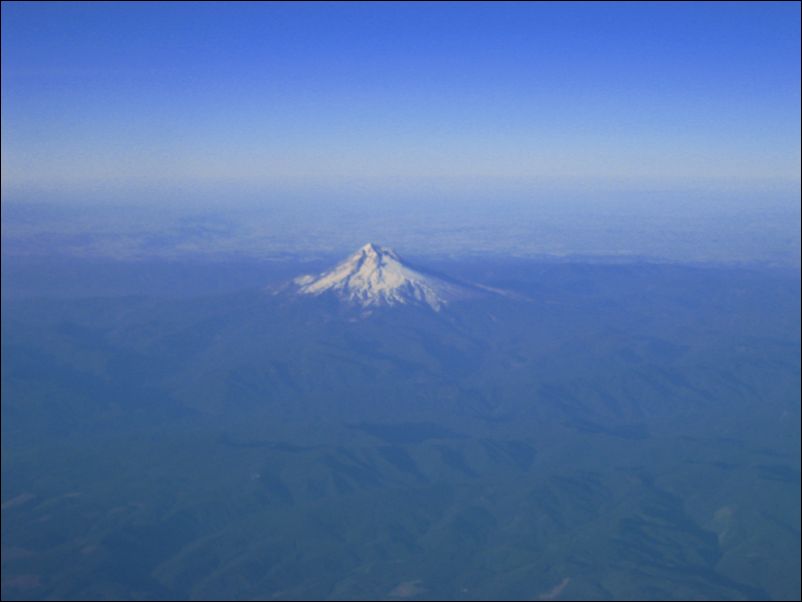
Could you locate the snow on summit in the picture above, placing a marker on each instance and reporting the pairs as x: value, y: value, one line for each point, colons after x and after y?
x: 375, y: 276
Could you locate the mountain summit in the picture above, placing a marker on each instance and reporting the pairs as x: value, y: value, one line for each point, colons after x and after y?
x: 375, y: 276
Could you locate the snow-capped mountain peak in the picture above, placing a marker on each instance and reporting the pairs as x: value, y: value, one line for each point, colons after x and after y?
x: 376, y: 276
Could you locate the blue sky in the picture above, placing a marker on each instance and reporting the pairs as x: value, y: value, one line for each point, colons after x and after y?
x: 273, y: 94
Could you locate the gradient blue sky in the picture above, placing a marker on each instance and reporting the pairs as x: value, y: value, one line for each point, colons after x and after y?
x: 191, y: 94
